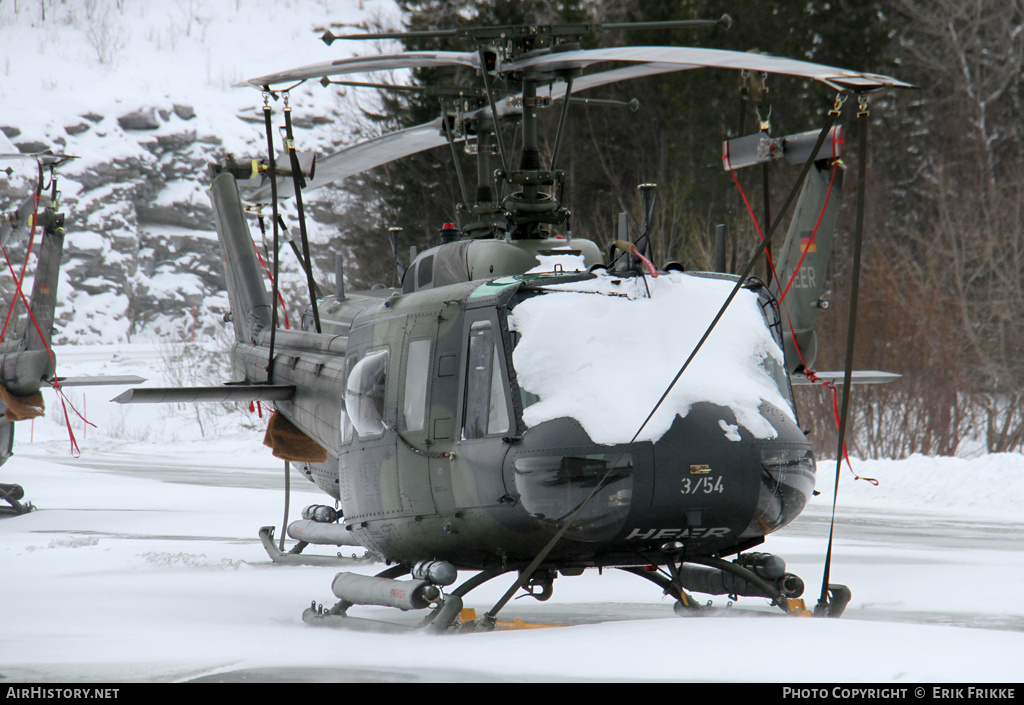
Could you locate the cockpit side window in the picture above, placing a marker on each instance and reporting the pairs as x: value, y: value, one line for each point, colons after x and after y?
x: 777, y: 371
x: 486, y: 402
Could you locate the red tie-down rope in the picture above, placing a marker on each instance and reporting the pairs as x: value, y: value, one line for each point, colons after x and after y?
x: 270, y: 276
x: 808, y: 373
x: 20, y: 293
x: 65, y: 403
x: 836, y: 141
x: 24, y: 267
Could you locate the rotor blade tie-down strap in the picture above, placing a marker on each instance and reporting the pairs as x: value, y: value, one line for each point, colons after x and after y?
x: 524, y: 576
x: 280, y: 298
x: 272, y: 162
x: 858, y: 238
x: 298, y: 184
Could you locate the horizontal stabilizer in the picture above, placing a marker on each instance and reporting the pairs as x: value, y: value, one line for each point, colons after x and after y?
x: 857, y: 377
x: 225, y: 392
x: 99, y: 380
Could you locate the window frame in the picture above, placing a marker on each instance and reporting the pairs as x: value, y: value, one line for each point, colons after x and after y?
x: 496, y: 352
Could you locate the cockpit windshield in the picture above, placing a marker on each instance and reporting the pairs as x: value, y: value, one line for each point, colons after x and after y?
x: 603, y: 351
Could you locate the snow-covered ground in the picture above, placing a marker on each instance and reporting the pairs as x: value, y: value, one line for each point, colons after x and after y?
x: 142, y: 563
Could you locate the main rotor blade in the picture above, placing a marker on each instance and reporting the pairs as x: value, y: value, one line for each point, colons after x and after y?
x: 359, y: 158
x: 46, y: 158
x: 395, y: 145
x: 694, y: 57
x: 361, y: 64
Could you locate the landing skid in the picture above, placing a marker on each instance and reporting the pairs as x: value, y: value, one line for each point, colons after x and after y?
x: 716, y: 576
x: 753, y: 575
x: 294, y: 556
x: 11, y: 494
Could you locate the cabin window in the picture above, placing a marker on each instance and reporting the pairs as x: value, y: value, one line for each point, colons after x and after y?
x: 417, y: 373
x: 486, y: 404
x: 364, y: 393
x: 425, y: 272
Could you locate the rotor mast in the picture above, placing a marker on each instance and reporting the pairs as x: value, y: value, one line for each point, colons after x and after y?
x: 534, y: 203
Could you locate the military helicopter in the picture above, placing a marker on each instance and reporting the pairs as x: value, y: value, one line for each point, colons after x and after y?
x: 477, y: 417
x: 27, y: 360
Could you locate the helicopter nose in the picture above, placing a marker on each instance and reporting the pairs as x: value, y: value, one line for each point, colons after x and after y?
x: 715, y: 483
x: 707, y: 482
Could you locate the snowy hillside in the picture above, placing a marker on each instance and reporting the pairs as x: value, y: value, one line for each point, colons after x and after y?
x: 142, y: 94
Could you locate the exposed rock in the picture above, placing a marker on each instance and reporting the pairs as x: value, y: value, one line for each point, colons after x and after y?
x: 31, y: 147
x: 119, y: 170
x: 144, y: 119
x: 9, y: 131
x: 140, y: 253
x: 180, y: 215
x: 308, y: 122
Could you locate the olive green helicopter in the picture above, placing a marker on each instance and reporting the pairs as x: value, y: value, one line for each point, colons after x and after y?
x: 470, y: 419
x: 27, y: 360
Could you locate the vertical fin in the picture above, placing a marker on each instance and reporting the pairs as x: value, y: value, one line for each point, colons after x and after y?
x: 250, y: 302
x: 801, y: 282
x: 44, y: 288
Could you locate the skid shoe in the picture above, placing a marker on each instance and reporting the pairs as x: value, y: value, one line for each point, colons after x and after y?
x: 294, y: 556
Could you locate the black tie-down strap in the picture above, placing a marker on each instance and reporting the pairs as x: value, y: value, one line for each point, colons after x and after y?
x: 840, y: 594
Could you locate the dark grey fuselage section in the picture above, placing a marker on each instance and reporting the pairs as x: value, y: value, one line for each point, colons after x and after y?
x: 486, y: 499
x: 414, y: 396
